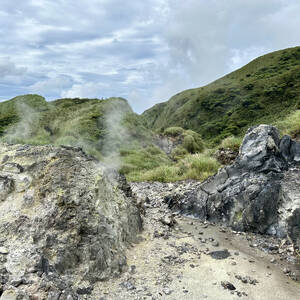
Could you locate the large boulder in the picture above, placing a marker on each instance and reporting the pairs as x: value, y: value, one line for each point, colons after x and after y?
x: 65, y: 222
x: 259, y: 192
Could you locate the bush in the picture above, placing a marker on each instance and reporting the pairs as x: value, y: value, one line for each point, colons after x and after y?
x: 291, y: 124
x: 139, y: 160
x: 192, y: 142
x: 198, y: 166
x: 162, y: 174
x: 173, y: 131
x: 178, y: 153
x: 231, y: 142
x: 193, y: 166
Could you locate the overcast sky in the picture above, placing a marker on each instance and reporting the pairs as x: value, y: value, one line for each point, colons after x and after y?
x: 142, y: 50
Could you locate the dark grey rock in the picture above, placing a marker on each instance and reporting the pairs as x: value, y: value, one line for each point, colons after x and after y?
x: 259, y: 192
x: 228, y: 285
x: 220, y: 254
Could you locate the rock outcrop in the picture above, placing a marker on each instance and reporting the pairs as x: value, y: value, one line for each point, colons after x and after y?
x: 168, y: 143
x: 65, y: 222
x: 259, y: 192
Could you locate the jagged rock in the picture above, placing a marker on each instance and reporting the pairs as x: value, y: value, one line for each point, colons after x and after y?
x: 168, y: 143
x: 259, y: 192
x: 226, y: 156
x: 64, y: 220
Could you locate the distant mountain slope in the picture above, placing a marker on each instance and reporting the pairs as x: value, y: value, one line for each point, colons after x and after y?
x: 96, y: 125
x: 263, y: 91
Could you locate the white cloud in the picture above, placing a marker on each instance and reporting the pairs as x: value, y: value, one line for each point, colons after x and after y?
x: 145, y: 50
x: 51, y: 86
x: 8, y: 68
x: 85, y: 90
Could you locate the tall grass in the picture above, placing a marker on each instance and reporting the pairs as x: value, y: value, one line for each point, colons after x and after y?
x: 290, y: 124
x: 192, y: 166
x: 231, y: 142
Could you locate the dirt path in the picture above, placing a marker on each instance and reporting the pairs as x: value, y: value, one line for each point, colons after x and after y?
x: 176, y: 259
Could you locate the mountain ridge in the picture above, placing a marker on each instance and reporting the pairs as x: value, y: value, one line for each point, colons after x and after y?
x: 236, y: 101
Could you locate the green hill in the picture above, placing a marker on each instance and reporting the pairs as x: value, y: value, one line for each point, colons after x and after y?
x: 267, y: 90
x: 96, y: 125
x: 264, y: 91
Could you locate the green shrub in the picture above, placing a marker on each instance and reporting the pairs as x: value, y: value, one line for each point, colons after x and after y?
x: 137, y: 161
x: 178, y: 153
x: 173, y: 131
x: 231, y: 142
x: 163, y: 174
x: 192, y: 166
x: 290, y: 124
x: 198, y: 166
x: 192, y: 142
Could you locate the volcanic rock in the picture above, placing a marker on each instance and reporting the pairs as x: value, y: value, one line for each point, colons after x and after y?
x: 65, y: 222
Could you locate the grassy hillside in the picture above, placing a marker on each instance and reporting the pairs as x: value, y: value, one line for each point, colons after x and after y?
x: 106, y: 129
x: 264, y: 91
x: 99, y: 126
x: 196, y: 121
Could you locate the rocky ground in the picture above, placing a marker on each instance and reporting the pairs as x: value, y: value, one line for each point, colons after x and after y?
x: 183, y: 258
x: 70, y: 228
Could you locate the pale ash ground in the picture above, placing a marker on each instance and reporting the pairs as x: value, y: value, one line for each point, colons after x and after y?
x: 179, y: 267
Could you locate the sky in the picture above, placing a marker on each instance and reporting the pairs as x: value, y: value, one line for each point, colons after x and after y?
x: 142, y: 50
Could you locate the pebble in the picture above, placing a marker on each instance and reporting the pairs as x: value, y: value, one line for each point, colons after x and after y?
x: 228, y: 285
x: 222, y: 254
x: 167, y: 291
x: 132, y: 269
x: 215, y: 244
x: 3, y: 250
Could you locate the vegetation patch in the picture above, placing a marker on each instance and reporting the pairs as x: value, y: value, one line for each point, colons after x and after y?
x: 262, y: 92
x: 231, y: 142
x: 290, y: 124
x: 193, y: 166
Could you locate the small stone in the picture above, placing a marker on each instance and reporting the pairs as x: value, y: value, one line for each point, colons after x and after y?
x: 215, y: 244
x: 132, y: 269
x: 221, y: 254
x: 9, y: 295
x: 273, y: 260
x: 167, y: 291
x: 228, y: 285
x: 233, y: 263
x: 168, y: 220
x: 286, y: 271
x: 128, y: 285
x: 3, y: 250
